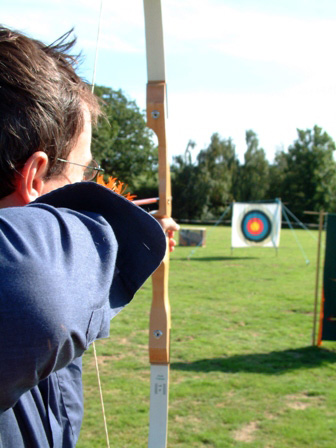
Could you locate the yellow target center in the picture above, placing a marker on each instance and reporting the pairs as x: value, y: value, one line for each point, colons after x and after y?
x: 255, y: 226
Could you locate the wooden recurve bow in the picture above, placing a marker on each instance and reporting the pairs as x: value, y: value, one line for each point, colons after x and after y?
x: 160, y: 324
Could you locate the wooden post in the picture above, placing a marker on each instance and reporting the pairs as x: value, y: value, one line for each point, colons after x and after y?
x: 317, y: 276
x: 321, y: 219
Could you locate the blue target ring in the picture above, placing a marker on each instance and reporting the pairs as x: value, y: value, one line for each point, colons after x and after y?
x: 256, y: 226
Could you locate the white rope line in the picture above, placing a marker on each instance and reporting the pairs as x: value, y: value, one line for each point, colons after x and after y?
x: 93, y: 344
x: 101, y: 395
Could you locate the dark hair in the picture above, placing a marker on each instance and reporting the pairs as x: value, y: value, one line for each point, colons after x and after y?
x: 41, y: 103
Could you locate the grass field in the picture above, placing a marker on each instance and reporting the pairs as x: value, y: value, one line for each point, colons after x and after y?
x: 243, y: 371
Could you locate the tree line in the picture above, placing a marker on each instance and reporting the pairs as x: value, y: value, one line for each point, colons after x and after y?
x: 303, y: 176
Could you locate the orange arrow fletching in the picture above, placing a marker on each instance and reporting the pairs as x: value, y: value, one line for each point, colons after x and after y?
x: 115, y: 185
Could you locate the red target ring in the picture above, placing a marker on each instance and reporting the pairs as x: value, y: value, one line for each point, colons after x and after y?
x: 255, y: 226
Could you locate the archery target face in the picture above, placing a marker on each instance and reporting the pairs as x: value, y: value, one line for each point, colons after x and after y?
x: 256, y: 225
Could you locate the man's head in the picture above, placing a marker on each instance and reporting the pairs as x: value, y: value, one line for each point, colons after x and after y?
x: 45, y: 111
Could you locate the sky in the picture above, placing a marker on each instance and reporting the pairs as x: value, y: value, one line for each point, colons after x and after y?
x: 231, y: 65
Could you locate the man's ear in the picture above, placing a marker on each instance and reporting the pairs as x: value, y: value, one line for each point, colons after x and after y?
x: 31, y: 181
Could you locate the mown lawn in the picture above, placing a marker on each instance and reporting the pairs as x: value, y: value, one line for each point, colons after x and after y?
x: 243, y: 371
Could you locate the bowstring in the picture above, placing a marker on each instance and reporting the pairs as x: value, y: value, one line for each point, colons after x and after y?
x: 93, y: 344
x: 97, y: 46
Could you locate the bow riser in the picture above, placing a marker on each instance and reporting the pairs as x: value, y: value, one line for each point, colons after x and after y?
x: 160, y: 323
x: 156, y: 107
x: 159, y: 336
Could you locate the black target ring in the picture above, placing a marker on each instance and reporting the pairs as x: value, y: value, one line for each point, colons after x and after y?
x: 256, y: 226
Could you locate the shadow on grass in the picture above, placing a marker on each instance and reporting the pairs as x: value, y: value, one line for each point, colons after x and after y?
x: 216, y: 258
x: 270, y: 363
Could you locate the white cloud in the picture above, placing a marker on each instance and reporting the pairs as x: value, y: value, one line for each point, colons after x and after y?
x: 197, y: 28
x: 274, y: 117
x: 242, y: 33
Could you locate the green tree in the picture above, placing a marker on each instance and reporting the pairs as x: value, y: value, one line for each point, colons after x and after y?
x: 277, y: 174
x: 190, y: 193
x: 122, y: 143
x: 310, y: 173
x: 253, y: 180
x: 217, y: 167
